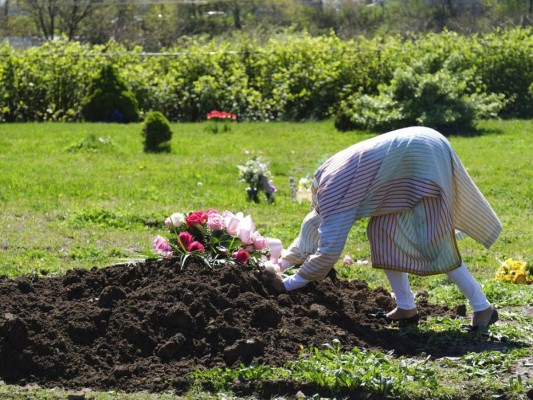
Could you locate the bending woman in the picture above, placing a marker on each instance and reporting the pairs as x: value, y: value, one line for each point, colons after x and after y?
x: 417, y: 193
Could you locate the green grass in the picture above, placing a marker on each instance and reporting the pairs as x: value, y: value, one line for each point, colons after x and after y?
x: 83, y: 195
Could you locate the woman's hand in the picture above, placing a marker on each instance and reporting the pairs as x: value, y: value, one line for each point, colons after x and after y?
x: 274, y: 279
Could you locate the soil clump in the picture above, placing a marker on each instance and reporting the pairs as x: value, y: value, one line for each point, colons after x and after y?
x: 146, y: 326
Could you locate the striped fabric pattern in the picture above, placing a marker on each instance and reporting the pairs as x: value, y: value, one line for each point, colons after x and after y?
x: 305, y: 244
x: 416, y: 191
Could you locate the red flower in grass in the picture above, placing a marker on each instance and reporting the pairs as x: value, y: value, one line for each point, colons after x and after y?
x: 221, y: 115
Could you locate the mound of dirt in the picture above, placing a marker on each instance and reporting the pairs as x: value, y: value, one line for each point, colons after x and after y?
x: 146, y: 326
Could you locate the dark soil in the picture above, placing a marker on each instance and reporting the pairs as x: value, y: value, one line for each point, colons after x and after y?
x: 146, y: 326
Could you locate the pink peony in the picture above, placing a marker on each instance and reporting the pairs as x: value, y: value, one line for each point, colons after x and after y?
x: 195, y: 246
x: 185, y: 238
x: 246, y: 230
x: 215, y: 222
x: 161, y: 246
x: 241, y: 256
x: 232, y: 222
x: 259, y: 241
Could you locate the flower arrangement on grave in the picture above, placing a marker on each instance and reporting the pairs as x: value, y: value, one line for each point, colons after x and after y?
x: 304, y: 188
x: 514, y: 271
x: 256, y: 174
x: 217, y: 238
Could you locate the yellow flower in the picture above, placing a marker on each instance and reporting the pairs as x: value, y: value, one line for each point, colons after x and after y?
x: 520, y: 278
x: 514, y: 271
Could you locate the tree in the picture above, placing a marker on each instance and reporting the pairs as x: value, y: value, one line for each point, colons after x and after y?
x: 73, y: 12
x: 54, y: 17
x: 44, y: 14
x: 4, y: 18
x: 127, y: 24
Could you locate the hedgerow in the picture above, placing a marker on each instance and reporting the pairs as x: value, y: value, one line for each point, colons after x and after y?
x: 443, y: 99
x: 291, y: 77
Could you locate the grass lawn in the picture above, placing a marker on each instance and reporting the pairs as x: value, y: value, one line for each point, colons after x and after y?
x: 84, y: 195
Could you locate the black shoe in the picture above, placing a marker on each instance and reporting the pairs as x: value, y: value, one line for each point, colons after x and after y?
x: 477, y: 328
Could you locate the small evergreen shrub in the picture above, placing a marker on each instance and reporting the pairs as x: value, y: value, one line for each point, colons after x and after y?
x: 109, y: 99
x: 440, y: 100
x: 157, y: 133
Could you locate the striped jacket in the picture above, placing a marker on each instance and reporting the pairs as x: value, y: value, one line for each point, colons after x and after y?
x: 416, y: 192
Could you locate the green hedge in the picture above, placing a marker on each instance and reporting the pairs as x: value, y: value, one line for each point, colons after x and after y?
x: 293, y: 77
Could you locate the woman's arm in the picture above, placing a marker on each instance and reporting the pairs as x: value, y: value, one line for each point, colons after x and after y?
x: 332, y: 235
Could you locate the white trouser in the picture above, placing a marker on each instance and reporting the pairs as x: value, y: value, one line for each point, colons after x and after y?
x: 461, y: 276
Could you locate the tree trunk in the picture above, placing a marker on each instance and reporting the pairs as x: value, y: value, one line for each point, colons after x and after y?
x: 4, y: 19
x: 449, y: 3
x: 236, y: 11
x: 77, y: 12
x: 44, y: 13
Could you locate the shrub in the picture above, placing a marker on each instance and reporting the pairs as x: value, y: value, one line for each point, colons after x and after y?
x: 109, y: 99
x: 440, y: 100
x: 156, y: 132
x: 505, y: 64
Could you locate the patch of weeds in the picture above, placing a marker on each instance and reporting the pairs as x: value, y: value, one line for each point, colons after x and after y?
x: 106, y: 218
x: 443, y: 291
x: 438, y: 325
x: 486, y: 363
x: 94, y: 254
x: 10, y: 268
x: 489, y: 369
x: 363, y: 370
x: 472, y: 375
x: 36, y: 255
x: 516, y: 384
x: 508, y: 294
x: 352, y: 272
x: 513, y: 334
x: 26, y: 261
x: 220, y: 379
x: 93, y: 144
x: 519, y: 329
x: 27, y: 392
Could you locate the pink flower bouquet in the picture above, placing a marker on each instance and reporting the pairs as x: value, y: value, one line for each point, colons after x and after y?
x: 216, y: 237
